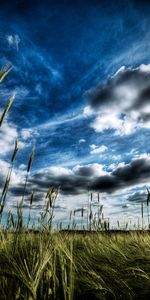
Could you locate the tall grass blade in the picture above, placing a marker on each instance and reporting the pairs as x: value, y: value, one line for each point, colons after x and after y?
x: 5, y: 71
x: 6, y: 109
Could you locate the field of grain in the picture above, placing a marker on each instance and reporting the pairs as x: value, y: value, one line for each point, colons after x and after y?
x: 67, y: 266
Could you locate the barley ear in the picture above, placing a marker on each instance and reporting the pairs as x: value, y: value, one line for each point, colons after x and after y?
x: 4, y: 72
x: 6, y: 109
x: 148, y: 197
x: 31, y: 160
x: 15, y: 151
x: 32, y: 197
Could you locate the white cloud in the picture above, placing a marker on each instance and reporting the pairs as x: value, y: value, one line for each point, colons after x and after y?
x: 4, y: 166
x: 93, y: 146
x: 16, y: 177
x: 122, y: 104
x: 57, y: 171
x: 13, y: 41
x: 87, y: 170
x: 81, y: 141
x: 26, y: 133
x: 114, y: 166
x: 144, y: 68
x: 22, y: 167
x: 121, y: 125
x: 97, y: 149
x: 88, y: 111
x: 121, y: 69
x: 107, y: 121
x: 8, y: 135
x: 141, y: 155
x: 68, y: 118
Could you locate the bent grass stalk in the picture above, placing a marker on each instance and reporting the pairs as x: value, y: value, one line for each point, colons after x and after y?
x: 6, y: 109
x: 142, y: 214
x: 5, y: 71
x: 20, y: 205
x: 7, y: 181
x: 29, y: 214
x: 31, y: 157
x: 148, y: 201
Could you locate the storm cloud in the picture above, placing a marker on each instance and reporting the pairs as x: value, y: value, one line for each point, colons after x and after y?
x: 89, y: 177
x: 129, y: 175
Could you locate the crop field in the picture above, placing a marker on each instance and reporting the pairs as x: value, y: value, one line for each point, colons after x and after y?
x: 42, y: 265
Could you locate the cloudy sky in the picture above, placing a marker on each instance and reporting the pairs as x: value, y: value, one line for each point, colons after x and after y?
x: 81, y: 75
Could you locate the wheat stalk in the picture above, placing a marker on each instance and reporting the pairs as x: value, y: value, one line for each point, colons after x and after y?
x: 4, y: 72
x: 7, y: 109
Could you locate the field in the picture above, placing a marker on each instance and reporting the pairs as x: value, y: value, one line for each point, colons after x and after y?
x: 37, y: 263
x: 44, y: 265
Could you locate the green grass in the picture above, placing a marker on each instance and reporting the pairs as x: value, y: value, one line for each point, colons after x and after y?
x: 44, y: 266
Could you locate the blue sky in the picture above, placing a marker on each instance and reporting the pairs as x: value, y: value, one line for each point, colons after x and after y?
x: 81, y: 74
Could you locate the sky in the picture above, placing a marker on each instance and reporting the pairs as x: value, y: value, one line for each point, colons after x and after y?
x: 81, y: 75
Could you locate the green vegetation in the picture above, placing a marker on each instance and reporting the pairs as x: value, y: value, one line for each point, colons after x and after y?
x: 73, y: 266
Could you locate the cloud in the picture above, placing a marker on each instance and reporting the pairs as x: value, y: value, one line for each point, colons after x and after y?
x: 26, y: 133
x: 94, y: 177
x: 16, y: 177
x: 82, y: 178
x: 137, y: 197
x: 8, y: 135
x: 81, y: 141
x: 87, y: 111
x: 13, y: 41
x: 113, y: 166
x: 125, y: 176
x: 97, y: 149
x: 71, y: 182
x: 90, y: 170
x: 57, y: 171
x: 122, y: 103
x: 4, y: 166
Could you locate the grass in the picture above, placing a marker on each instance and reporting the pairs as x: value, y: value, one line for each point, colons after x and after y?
x: 61, y: 266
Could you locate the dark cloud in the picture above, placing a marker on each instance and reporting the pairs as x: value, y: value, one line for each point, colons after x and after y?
x: 73, y: 183
x: 144, y: 117
x: 19, y: 190
x: 138, y: 169
x: 108, y: 184
x: 85, y: 171
x: 69, y: 184
x: 137, y: 172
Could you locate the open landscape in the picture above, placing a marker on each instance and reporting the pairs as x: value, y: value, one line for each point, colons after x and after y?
x: 74, y: 150
x: 80, y: 261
